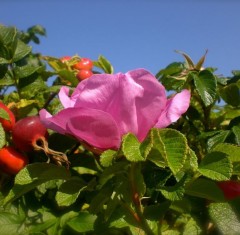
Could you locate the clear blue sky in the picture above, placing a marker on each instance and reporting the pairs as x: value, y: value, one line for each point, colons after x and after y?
x: 133, y: 33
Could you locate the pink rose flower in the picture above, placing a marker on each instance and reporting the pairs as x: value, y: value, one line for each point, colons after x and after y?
x: 104, y: 107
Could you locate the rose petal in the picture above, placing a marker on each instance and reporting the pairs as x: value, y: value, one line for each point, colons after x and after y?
x: 55, y: 123
x: 95, y: 127
x: 134, y: 100
x: 174, y: 109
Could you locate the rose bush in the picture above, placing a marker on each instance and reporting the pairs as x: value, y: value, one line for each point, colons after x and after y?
x: 146, y: 178
x: 105, y: 107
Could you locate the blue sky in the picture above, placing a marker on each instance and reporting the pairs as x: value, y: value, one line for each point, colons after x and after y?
x: 134, y: 33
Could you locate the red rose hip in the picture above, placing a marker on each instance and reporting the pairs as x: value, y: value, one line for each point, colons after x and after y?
x: 84, y: 63
x: 11, y: 161
x: 84, y: 74
x: 27, y: 132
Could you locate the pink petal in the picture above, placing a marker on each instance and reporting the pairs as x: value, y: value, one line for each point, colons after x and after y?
x: 174, y: 109
x: 95, y: 127
x: 54, y: 123
x: 66, y: 101
x: 134, y: 100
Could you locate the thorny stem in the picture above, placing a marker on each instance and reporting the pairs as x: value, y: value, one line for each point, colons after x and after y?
x: 136, y: 200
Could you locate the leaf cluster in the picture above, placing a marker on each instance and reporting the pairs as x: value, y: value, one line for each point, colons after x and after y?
x: 167, y: 184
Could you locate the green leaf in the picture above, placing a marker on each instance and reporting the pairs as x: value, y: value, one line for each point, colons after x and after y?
x: 236, y: 131
x: 69, y: 191
x: 171, y: 77
x: 2, y: 137
x: 32, y: 176
x: 55, y: 63
x: 107, y: 157
x: 4, y: 61
x: 192, y: 228
x: 37, y: 29
x: 206, y: 85
x: 225, y: 218
x: 204, y: 188
x: 231, y: 94
x: 104, y: 64
x: 36, y: 228
x: 232, y: 151
x: 8, y: 41
x: 156, y: 211
x: 101, y: 198
x: 21, y: 51
x: 83, y: 223
x: 113, y: 171
x: 216, y: 165
x: 26, y: 70
x: 220, y: 137
x: 6, y: 77
x: 131, y: 148
x: 10, y: 223
x: 68, y: 76
x: 171, y: 69
x: 176, y: 192
x: 153, y: 148
x: 4, y: 114
x: 176, y: 148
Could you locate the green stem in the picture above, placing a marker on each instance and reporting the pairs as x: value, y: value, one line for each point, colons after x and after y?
x: 136, y: 200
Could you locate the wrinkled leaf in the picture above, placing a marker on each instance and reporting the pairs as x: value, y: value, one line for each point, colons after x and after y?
x: 206, y: 86
x: 216, y: 165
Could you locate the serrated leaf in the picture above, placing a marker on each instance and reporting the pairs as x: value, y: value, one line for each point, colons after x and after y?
x: 236, y: 131
x: 192, y: 228
x: 83, y: 223
x: 225, y: 218
x: 8, y: 41
x: 131, y: 148
x: 107, y: 157
x: 33, y: 175
x: 2, y: 136
x: 26, y: 70
x: 216, y: 165
x: 153, y: 148
x: 21, y: 51
x: 232, y: 151
x: 10, y: 223
x: 69, y: 191
x: 176, y: 148
x: 231, y: 94
x: 220, y: 137
x: 204, y: 188
x: 206, y: 86
x: 104, y: 64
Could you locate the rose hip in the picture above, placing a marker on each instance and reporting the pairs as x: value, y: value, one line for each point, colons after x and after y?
x: 27, y: 132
